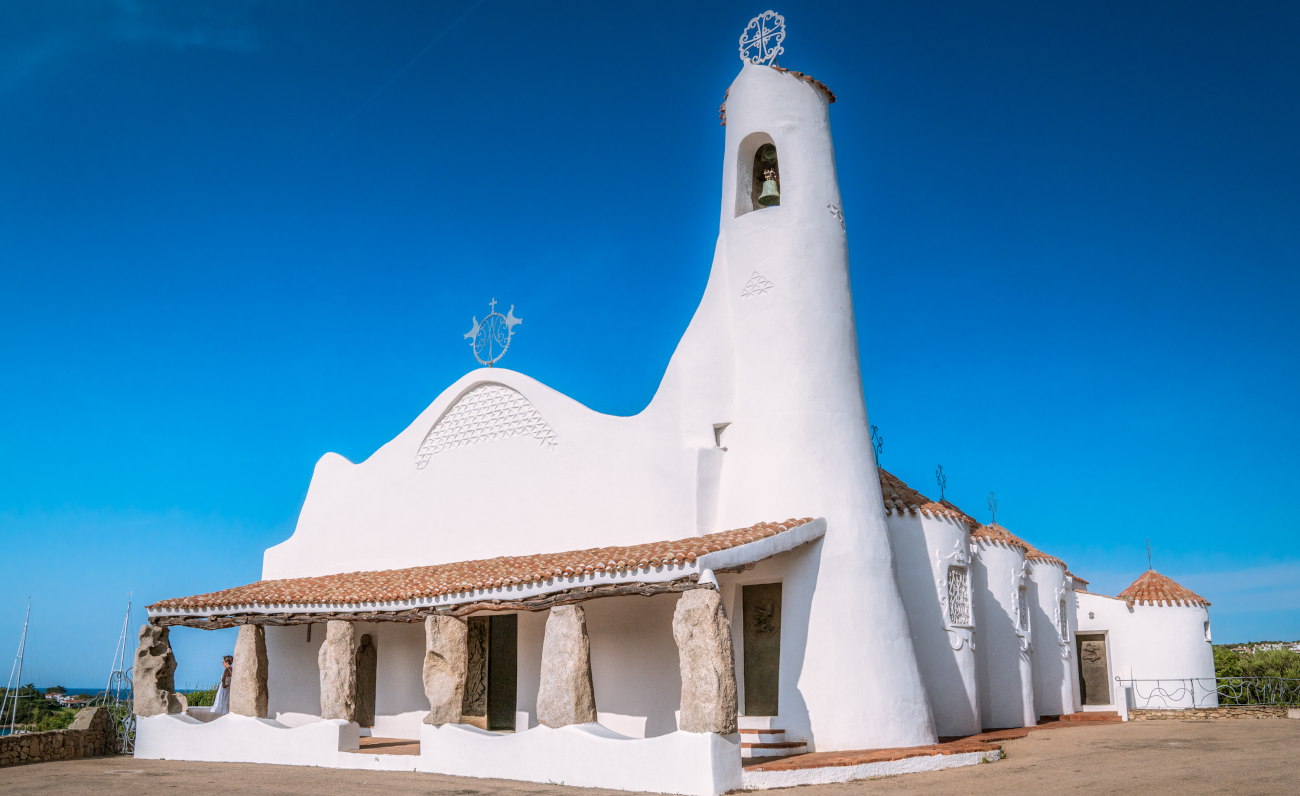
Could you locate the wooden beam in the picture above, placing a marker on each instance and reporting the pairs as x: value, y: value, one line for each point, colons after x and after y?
x: 539, y: 603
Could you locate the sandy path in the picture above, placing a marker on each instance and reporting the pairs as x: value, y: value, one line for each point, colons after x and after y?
x: 1250, y: 756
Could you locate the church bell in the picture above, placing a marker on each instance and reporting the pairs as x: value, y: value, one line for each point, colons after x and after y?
x: 770, y: 195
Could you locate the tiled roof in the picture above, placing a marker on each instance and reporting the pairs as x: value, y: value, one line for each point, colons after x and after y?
x: 903, y: 499
x: 416, y: 583
x: 1079, y: 583
x: 996, y: 533
x: 1035, y: 554
x: 1152, y: 588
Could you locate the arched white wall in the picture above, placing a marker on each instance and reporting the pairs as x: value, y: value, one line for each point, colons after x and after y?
x: 924, y: 548
x: 1002, y: 652
x: 1052, y: 652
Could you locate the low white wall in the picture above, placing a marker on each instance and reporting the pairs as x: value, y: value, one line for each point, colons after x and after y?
x: 233, y: 738
x: 587, y: 755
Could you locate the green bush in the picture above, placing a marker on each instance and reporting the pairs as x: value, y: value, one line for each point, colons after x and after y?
x: 57, y: 721
x: 201, y: 697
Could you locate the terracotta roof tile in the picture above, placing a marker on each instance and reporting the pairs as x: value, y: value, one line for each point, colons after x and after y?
x: 1152, y: 588
x: 467, y: 576
x: 1035, y: 554
x: 903, y: 499
x: 996, y: 533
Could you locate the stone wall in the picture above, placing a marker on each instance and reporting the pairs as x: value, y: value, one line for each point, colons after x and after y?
x: 1207, y: 714
x: 90, y: 735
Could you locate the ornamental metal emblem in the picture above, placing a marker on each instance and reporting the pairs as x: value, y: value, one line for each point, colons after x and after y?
x: 761, y: 41
x: 490, y: 337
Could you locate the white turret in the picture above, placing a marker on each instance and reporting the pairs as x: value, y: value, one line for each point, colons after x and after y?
x: 796, y: 441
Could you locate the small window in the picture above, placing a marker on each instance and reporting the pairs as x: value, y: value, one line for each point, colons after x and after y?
x: 1207, y: 632
x: 958, y: 596
x: 1022, y: 609
x: 1063, y: 620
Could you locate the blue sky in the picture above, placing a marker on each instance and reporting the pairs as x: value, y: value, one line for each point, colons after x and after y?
x: 237, y: 235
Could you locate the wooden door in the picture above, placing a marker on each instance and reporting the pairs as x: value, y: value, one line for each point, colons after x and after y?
x: 761, y: 617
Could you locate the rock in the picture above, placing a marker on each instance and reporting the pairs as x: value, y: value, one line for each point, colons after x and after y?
x: 249, y: 672
x: 445, y: 659
x: 153, y: 680
x: 566, y: 694
x: 704, y: 653
x: 337, y: 660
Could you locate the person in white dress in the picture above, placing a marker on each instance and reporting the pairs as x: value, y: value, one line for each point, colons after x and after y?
x: 221, y: 705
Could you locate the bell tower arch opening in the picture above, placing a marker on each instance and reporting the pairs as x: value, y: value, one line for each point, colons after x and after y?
x: 758, y: 174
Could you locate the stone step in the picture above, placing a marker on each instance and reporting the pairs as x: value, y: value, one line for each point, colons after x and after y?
x: 762, y: 736
x: 1091, y: 716
x: 772, y: 748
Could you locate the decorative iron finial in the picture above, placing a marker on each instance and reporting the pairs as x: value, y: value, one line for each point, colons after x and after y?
x: 993, y: 507
x: 490, y: 337
x: 942, y: 481
x: 877, y: 442
x: 1149, y: 555
x: 761, y: 41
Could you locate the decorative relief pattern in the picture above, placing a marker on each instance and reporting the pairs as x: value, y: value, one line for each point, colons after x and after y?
x: 958, y: 596
x: 953, y: 586
x: 757, y: 285
x: 487, y: 412
x: 838, y: 213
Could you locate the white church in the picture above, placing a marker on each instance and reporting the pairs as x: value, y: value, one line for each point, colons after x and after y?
x: 651, y: 602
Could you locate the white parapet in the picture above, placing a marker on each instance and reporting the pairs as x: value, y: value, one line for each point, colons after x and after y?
x: 587, y: 755
x: 243, y: 739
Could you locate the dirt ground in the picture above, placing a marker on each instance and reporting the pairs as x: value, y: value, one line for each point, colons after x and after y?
x: 1255, y: 756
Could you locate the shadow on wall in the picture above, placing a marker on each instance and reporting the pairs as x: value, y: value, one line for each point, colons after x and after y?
x: 997, y: 653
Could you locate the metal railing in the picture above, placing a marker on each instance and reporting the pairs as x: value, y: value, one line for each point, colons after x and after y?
x: 1209, y: 692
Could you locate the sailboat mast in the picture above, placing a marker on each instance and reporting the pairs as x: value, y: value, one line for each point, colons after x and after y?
x: 14, y: 683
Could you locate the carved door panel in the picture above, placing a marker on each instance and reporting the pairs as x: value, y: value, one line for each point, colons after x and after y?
x: 492, y: 672
x: 761, y: 616
x: 1094, y: 673
x: 367, y: 672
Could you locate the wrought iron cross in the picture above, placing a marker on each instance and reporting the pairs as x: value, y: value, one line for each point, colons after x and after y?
x: 993, y: 507
x: 1149, y: 555
x: 942, y: 480
x: 877, y: 442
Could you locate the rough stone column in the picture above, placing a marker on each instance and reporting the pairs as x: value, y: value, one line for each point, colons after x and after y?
x: 704, y: 652
x: 153, y: 679
x: 566, y: 695
x: 445, y: 660
x: 338, y: 672
x: 248, y: 691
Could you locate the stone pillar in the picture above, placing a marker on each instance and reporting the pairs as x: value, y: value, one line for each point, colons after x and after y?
x: 704, y: 652
x: 153, y: 678
x: 248, y: 692
x: 338, y: 672
x: 566, y: 695
x: 445, y: 660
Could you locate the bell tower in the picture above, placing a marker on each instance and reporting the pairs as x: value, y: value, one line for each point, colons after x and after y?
x: 797, y: 439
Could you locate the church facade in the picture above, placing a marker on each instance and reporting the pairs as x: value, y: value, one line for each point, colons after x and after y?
x: 534, y: 590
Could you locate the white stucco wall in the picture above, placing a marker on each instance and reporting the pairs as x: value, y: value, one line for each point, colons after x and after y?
x: 780, y: 365
x: 1002, y: 651
x: 1053, y: 650
x: 1150, y: 642
x: 924, y: 549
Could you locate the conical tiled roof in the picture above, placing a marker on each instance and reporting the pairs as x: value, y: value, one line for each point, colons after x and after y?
x: 1035, y: 554
x: 903, y: 499
x: 1152, y: 588
x: 996, y: 533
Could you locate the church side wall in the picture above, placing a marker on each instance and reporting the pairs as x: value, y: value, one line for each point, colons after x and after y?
x: 1005, y: 674
x: 1053, y: 653
x: 924, y: 548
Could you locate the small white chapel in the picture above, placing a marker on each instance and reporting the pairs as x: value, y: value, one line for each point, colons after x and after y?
x: 653, y: 602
